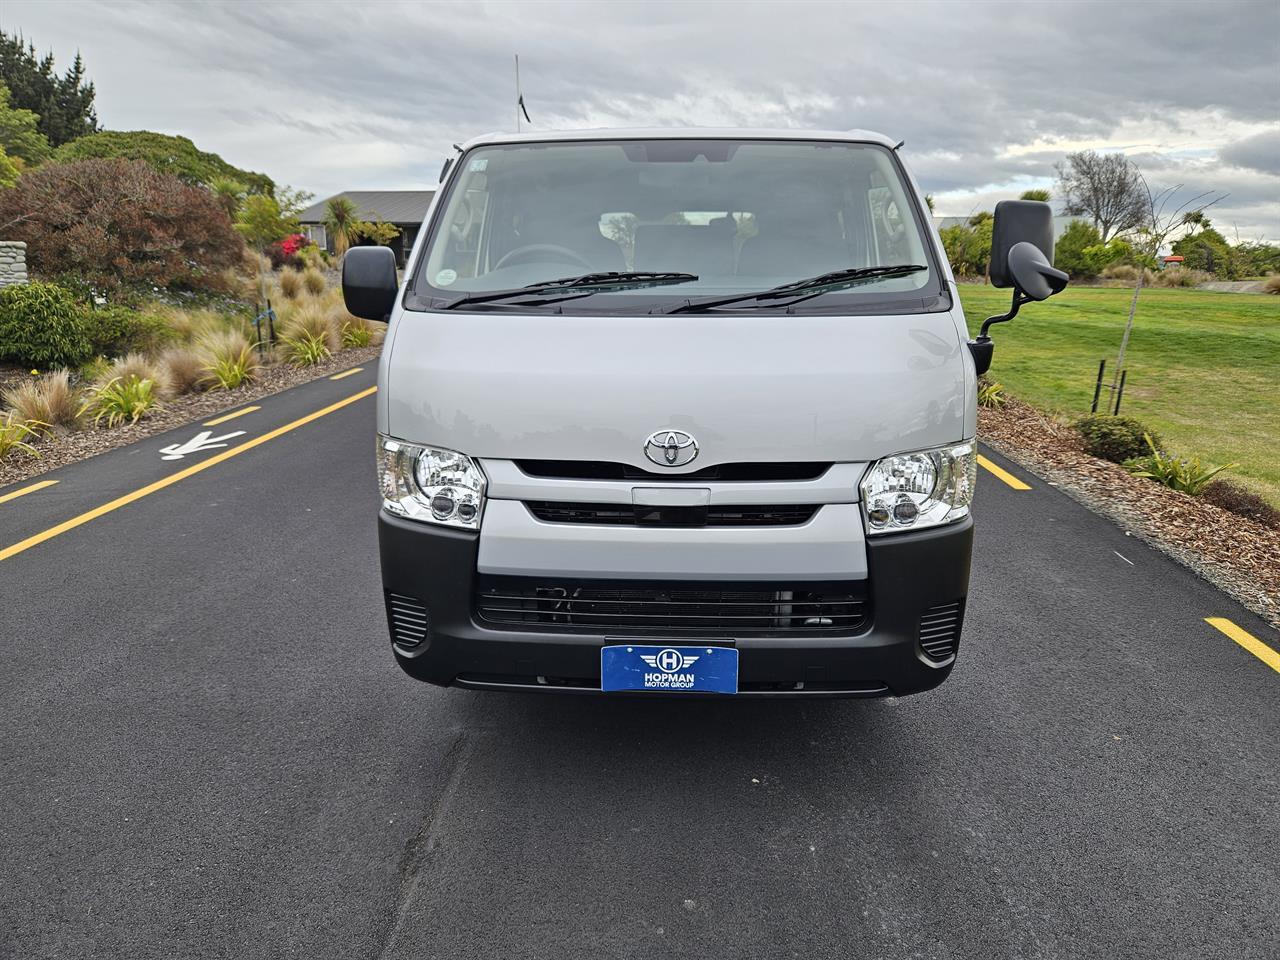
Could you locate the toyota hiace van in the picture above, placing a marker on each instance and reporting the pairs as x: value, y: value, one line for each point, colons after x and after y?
x: 681, y: 412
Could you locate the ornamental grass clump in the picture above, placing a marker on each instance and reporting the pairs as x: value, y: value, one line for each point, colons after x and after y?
x: 991, y: 394
x: 183, y: 370
x: 228, y: 360
x: 313, y: 281
x: 304, y: 349
x: 17, y: 433
x: 120, y: 400
x: 312, y: 320
x: 290, y: 283
x: 51, y: 400
x: 1186, y: 475
x: 356, y: 333
x: 137, y: 366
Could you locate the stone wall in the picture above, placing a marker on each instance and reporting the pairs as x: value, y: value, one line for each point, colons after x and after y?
x: 13, y: 262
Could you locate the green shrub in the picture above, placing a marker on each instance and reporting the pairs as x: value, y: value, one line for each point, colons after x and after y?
x: 15, y: 432
x: 1186, y: 475
x: 41, y: 325
x: 118, y: 330
x: 1113, y: 438
x: 122, y: 399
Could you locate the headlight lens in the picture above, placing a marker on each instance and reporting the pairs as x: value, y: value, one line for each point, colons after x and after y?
x: 915, y: 490
x: 430, y: 484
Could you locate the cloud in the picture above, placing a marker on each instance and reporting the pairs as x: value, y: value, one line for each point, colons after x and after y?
x: 986, y: 95
x: 1260, y: 152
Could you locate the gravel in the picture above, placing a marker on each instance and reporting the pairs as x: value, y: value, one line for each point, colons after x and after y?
x: 1238, y: 555
x: 72, y: 446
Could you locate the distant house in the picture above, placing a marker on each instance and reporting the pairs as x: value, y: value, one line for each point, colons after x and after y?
x: 1172, y: 261
x: 404, y: 208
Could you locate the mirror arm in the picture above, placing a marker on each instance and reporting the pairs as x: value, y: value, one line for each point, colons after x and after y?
x: 1019, y: 298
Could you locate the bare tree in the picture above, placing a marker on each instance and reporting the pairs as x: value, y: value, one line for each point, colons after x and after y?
x: 1107, y: 188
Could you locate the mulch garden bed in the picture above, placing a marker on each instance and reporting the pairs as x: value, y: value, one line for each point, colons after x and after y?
x: 1238, y: 555
x: 71, y: 446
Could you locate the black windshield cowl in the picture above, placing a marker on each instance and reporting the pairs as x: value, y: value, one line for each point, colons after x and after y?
x: 589, y: 282
x: 799, y: 290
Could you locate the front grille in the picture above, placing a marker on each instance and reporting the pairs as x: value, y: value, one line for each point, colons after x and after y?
x: 625, y: 608
x: 407, y: 619
x: 605, y: 470
x: 615, y: 514
x: 940, y: 630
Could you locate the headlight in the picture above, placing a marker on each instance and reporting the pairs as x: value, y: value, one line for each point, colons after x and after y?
x: 915, y: 490
x: 426, y: 483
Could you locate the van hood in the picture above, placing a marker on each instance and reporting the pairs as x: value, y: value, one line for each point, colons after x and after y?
x: 748, y: 388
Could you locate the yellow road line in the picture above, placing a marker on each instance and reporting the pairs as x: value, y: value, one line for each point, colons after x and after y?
x: 346, y: 373
x: 5, y: 498
x: 173, y: 478
x: 1247, y: 640
x: 229, y: 416
x: 1002, y: 474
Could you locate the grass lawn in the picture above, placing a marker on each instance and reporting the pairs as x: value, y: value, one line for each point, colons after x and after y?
x: 1204, y: 367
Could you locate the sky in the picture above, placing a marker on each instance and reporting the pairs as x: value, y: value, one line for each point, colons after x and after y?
x: 328, y: 96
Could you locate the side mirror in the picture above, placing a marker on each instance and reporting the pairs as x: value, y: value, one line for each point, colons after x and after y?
x: 1032, y: 274
x: 369, y: 283
x: 1022, y: 258
x: 1019, y: 221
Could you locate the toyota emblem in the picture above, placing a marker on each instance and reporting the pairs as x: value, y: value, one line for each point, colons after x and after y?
x: 670, y: 448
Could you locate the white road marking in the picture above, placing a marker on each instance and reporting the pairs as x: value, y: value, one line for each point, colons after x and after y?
x: 204, y: 440
x: 1124, y: 558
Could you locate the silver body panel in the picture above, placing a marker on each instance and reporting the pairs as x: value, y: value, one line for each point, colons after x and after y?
x: 828, y: 547
x: 750, y: 388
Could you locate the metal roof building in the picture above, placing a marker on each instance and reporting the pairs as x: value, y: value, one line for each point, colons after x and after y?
x: 404, y: 208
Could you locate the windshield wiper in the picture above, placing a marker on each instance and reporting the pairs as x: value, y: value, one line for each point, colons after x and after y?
x: 799, y: 290
x: 587, y: 281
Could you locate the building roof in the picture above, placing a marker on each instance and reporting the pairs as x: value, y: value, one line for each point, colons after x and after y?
x: 683, y: 133
x: 393, y: 206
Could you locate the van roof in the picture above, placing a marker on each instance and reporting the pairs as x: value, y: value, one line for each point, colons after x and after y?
x: 682, y: 133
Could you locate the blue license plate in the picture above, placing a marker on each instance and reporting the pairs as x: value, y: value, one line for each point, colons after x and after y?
x: 669, y: 669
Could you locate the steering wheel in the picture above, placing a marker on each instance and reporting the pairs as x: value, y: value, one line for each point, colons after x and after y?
x: 535, y: 252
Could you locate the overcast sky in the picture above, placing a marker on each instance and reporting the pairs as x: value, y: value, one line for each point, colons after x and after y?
x: 329, y: 96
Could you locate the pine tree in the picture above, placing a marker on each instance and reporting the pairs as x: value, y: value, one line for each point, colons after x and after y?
x: 64, y: 104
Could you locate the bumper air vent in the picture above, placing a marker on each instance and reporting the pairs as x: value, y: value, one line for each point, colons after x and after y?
x: 684, y: 608
x: 611, y: 514
x: 407, y: 619
x: 940, y: 630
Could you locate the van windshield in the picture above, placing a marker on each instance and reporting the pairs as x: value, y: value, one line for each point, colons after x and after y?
x: 741, y: 215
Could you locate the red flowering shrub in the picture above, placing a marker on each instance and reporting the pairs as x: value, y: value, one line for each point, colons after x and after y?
x: 112, y: 223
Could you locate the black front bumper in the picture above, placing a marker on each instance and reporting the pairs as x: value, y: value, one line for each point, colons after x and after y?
x: 910, y: 576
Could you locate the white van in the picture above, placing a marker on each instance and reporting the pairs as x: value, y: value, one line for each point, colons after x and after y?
x: 681, y: 411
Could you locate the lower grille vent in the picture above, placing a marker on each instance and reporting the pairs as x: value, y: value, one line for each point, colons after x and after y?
x: 407, y: 619
x: 940, y: 630
x: 611, y: 514
x: 621, y: 608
